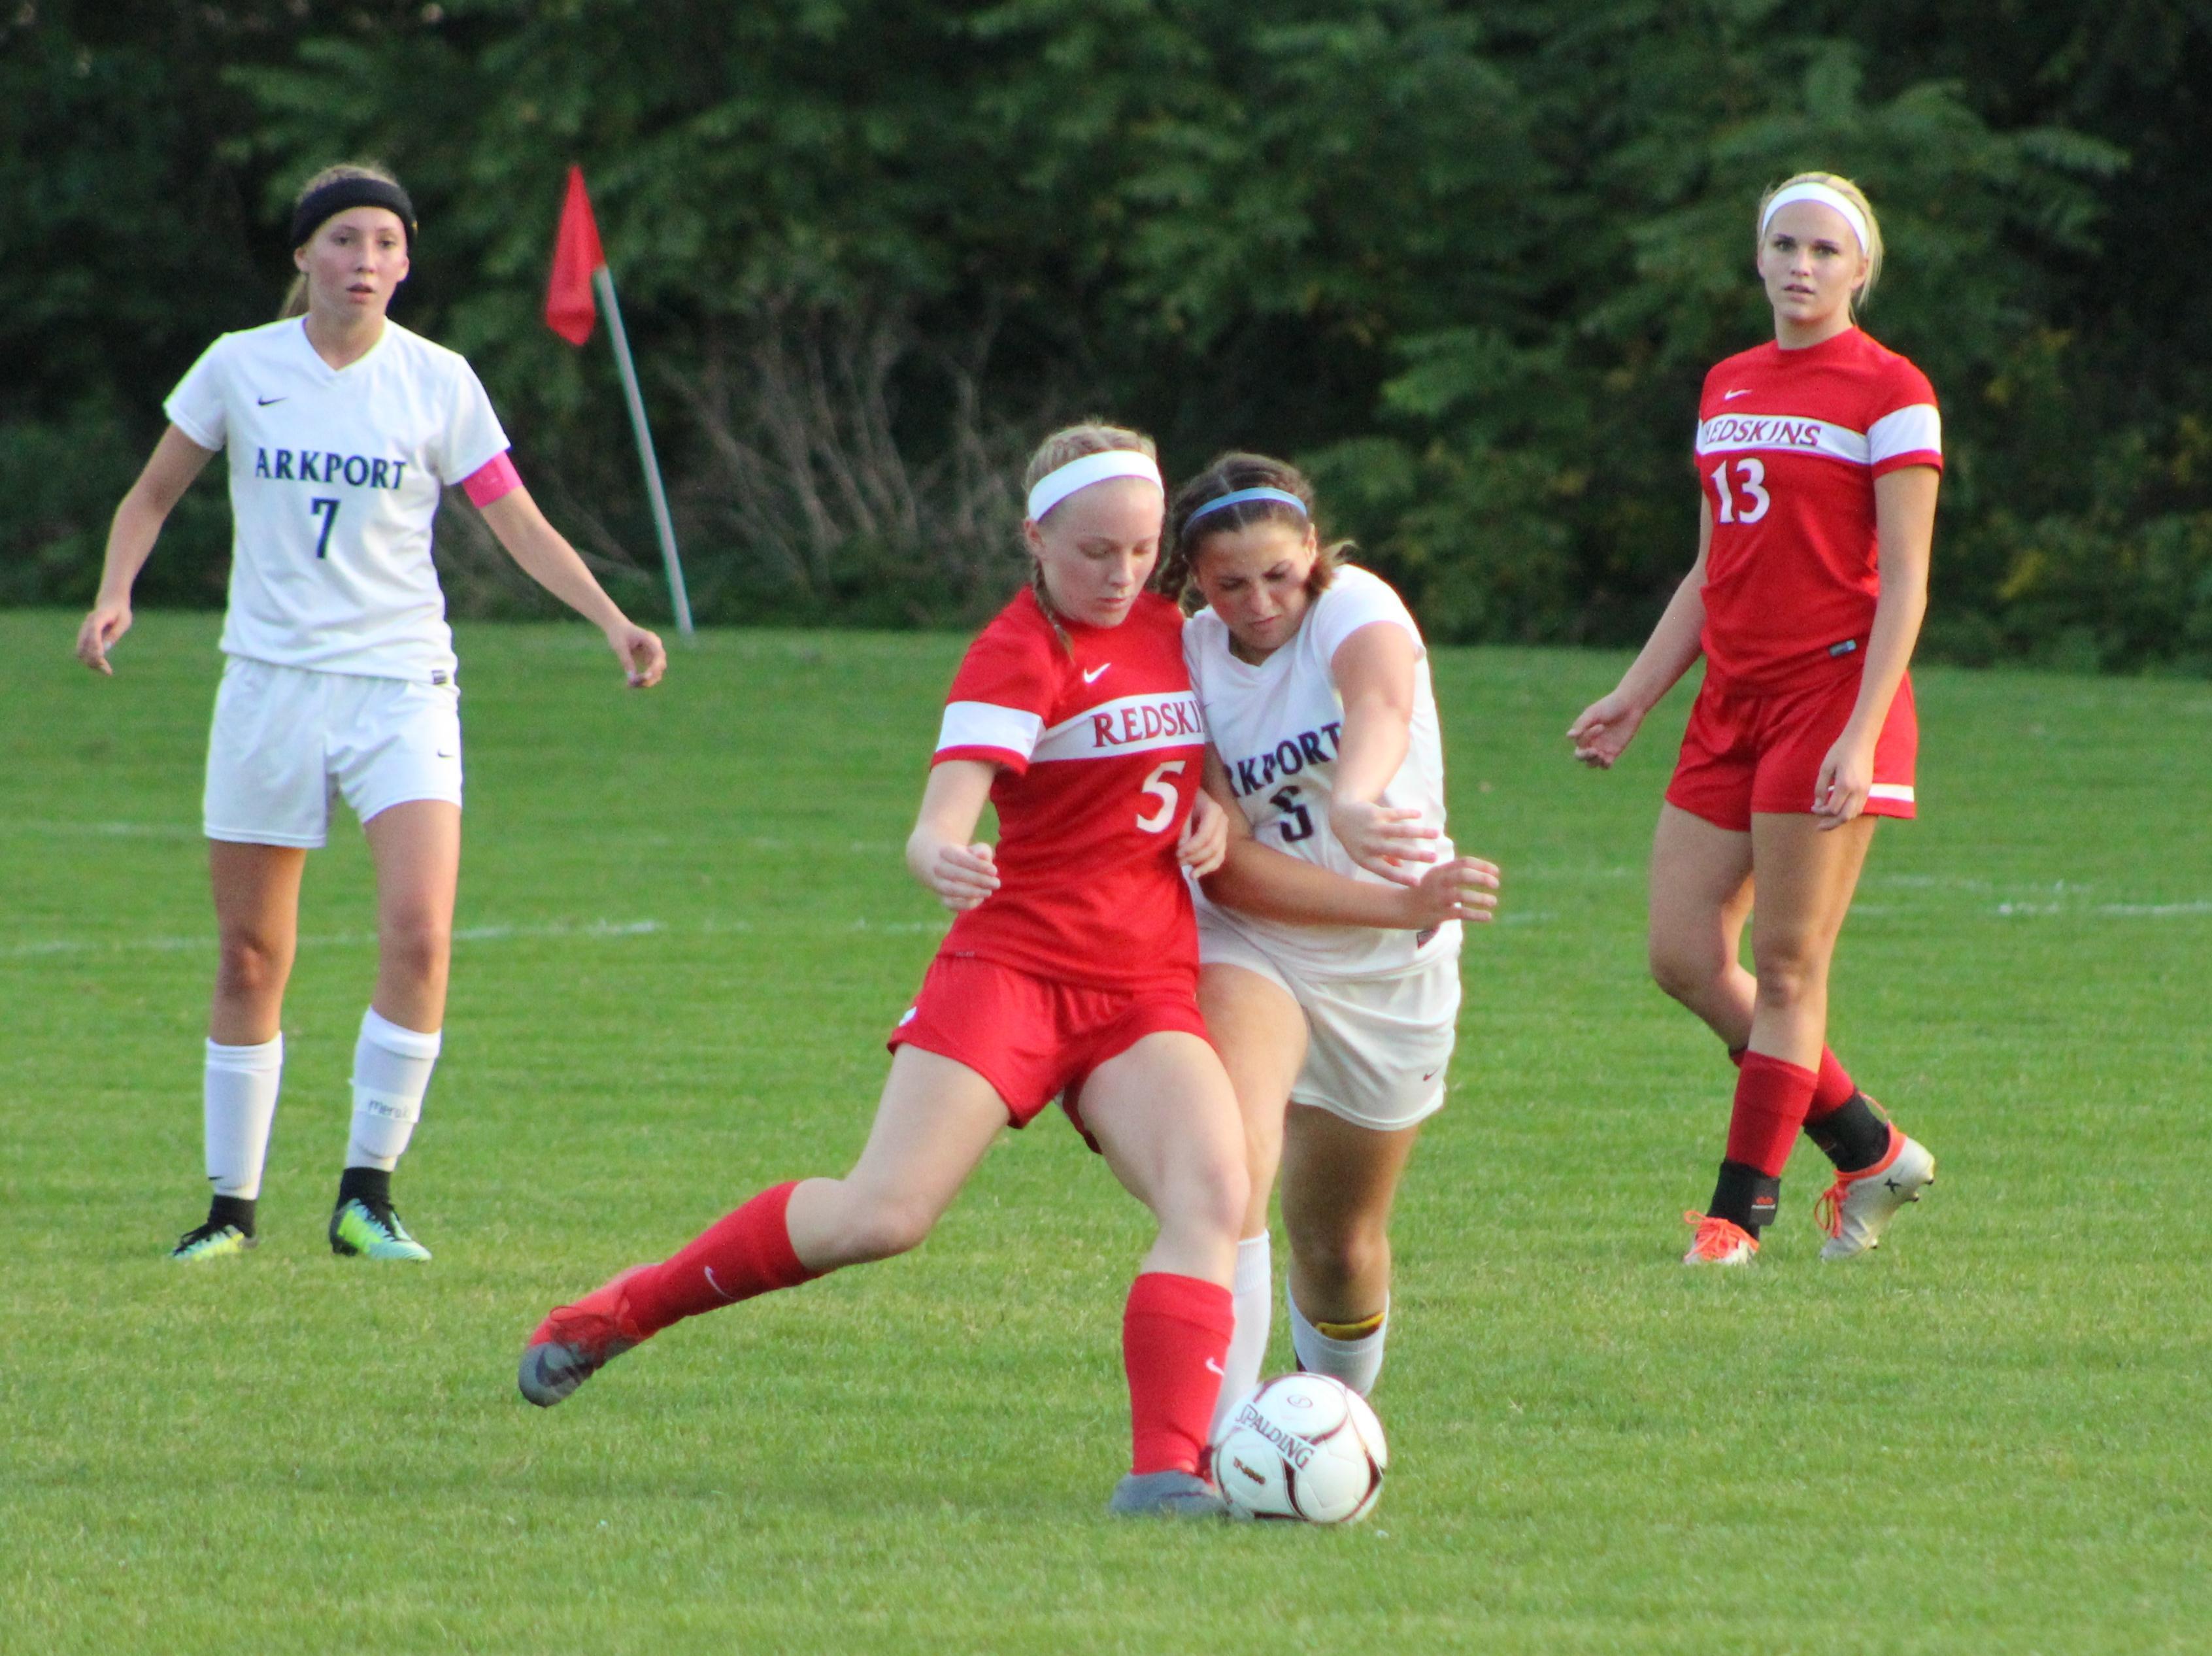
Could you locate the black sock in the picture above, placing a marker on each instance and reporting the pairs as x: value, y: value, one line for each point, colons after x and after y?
x: 232, y: 1210
x: 1744, y: 1196
x: 1853, y: 1136
x: 370, y: 1184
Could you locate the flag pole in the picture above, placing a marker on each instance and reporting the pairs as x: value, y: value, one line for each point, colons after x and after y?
x: 604, y: 280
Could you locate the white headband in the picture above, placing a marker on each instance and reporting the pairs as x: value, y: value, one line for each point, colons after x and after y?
x: 1827, y: 197
x: 1055, y: 487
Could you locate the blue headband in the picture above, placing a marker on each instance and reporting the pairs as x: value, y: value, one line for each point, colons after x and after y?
x: 1241, y: 497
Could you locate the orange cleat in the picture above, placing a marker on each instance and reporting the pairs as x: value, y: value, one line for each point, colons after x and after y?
x: 575, y: 1342
x: 1719, y: 1242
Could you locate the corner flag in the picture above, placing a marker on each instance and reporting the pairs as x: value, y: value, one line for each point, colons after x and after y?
x: 580, y: 267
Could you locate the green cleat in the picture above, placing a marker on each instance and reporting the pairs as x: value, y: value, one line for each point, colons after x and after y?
x: 210, y: 1241
x: 370, y: 1230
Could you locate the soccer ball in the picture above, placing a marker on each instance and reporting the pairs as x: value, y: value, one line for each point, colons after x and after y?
x: 1303, y: 1446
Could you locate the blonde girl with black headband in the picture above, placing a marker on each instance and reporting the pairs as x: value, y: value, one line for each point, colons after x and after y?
x: 343, y: 429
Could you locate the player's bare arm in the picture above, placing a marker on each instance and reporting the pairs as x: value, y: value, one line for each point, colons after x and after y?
x: 546, y: 556
x: 943, y: 852
x: 1601, y: 734
x: 1374, y: 673
x: 175, y: 461
x: 1258, y: 879
x: 1905, y: 527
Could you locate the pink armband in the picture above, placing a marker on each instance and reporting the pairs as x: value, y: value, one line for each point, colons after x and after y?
x: 495, y: 478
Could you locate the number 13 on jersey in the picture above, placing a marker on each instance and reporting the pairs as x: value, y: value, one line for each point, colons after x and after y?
x: 1750, y: 481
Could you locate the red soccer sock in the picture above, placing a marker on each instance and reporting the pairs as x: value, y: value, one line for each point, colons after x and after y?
x: 1174, y: 1336
x: 1772, y: 1097
x: 1834, y: 1089
x: 740, y: 1255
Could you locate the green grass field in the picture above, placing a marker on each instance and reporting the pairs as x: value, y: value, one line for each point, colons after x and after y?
x: 684, y: 929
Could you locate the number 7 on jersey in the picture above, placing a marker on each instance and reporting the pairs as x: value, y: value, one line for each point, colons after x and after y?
x: 325, y: 507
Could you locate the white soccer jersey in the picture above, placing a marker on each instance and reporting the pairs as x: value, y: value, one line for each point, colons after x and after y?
x: 1277, y: 727
x: 335, y: 475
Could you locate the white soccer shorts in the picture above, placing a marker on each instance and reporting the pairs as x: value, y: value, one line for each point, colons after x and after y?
x: 287, y: 739
x: 1377, y: 1048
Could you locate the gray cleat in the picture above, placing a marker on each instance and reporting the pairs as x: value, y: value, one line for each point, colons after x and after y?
x: 1170, y: 1494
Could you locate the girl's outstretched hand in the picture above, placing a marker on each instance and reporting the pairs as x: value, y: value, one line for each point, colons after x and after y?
x: 642, y: 654
x: 1466, y: 888
x: 1204, y: 839
x: 1384, y: 839
x: 1605, y: 729
x: 961, y: 875
x: 106, y: 624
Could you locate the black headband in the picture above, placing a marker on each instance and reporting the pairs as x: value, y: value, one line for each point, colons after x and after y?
x: 331, y: 200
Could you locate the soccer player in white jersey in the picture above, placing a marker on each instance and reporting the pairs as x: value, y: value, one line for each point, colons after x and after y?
x: 343, y: 429
x: 1330, y: 934
x: 1818, y: 457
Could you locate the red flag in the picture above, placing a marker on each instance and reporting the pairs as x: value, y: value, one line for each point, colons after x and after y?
x: 576, y: 256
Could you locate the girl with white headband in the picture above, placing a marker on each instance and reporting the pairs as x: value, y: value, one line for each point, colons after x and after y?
x: 345, y: 430
x: 1329, y: 937
x: 1070, y: 973
x: 1817, y: 456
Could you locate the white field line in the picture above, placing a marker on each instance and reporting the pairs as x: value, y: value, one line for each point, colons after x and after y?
x: 590, y: 929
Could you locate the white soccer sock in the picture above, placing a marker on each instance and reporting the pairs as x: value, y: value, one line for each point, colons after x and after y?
x: 1253, y: 1292
x: 391, y: 1073
x: 239, y: 1102
x: 1356, y: 1362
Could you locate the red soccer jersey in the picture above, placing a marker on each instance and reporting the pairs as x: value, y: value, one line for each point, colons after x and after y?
x: 1099, y: 754
x: 1788, y: 445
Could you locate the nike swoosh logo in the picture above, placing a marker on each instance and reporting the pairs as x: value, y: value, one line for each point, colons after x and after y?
x: 1212, y: 1368
x: 713, y: 1284
x: 1730, y: 396
x: 265, y: 401
x: 444, y: 754
x: 1092, y: 676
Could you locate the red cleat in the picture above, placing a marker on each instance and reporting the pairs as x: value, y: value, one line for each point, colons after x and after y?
x: 575, y: 1342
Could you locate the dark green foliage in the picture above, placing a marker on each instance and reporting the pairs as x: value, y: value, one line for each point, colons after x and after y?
x: 1469, y: 261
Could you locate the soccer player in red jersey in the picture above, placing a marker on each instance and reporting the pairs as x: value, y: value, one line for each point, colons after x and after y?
x: 1071, y: 971
x: 1818, y: 456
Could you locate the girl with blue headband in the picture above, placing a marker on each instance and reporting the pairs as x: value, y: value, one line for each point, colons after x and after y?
x: 1329, y: 937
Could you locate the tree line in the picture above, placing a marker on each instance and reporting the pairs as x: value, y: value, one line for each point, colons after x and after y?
x: 1466, y: 262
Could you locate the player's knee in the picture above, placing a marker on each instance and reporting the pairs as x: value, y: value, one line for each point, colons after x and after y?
x: 1684, y: 973
x: 249, y: 963
x: 883, y: 1230
x: 417, y: 946
x: 1787, y: 977
x: 1341, y: 1255
x: 1210, y: 1193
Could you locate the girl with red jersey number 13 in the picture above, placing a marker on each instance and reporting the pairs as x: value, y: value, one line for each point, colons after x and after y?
x: 1072, y: 973
x: 345, y: 430
x: 1818, y: 456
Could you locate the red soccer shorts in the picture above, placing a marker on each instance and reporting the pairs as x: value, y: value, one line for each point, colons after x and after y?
x: 1032, y: 1038
x: 1751, y: 751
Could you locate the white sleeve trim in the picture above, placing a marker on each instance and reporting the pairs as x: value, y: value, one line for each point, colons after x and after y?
x: 1915, y: 430
x: 985, y: 724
